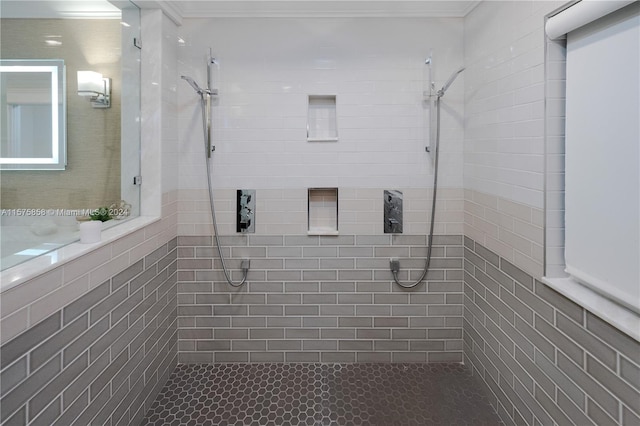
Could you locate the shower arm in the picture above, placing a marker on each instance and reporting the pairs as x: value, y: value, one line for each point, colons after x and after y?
x: 449, y: 82
x: 432, y: 84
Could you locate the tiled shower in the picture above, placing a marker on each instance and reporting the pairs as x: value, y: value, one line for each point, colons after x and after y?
x: 320, y: 299
x: 95, y: 340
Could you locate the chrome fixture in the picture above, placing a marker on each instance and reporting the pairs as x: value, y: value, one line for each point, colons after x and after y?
x: 442, y: 91
x: 205, y: 107
x: 392, y: 212
x: 198, y: 89
x: 211, y: 61
x: 245, y: 210
x: 205, y: 102
x: 97, y: 87
x: 394, y: 264
x: 429, y: 85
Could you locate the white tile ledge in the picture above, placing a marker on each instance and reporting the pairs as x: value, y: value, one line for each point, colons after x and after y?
x: 30, y: 269
x: 322, y: 139
x: 322, y: 232
x: 624, y: 319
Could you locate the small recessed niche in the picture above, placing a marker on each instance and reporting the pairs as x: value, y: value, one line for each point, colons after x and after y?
x: 323, y: 211
x: 322, y: 124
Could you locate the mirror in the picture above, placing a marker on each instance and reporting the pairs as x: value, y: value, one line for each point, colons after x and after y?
x: 32, y: 115
x: 102, y: 144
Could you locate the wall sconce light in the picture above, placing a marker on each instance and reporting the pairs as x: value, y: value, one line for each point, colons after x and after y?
x: 91, y: 83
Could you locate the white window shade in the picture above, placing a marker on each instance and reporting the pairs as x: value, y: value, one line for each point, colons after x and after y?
x: 602, y: 187
x: 579, y: 14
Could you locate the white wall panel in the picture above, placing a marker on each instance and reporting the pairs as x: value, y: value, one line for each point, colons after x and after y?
x: 268, y: 67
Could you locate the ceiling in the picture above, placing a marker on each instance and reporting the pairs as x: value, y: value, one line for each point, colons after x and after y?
x: 180, y: 9
x: 97, y: 9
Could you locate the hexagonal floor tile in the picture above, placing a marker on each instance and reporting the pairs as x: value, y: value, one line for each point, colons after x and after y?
x: 322, y: 394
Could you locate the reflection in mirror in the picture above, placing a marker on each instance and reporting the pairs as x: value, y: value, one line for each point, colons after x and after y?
x: 32, y: 114
x: 40, y: 209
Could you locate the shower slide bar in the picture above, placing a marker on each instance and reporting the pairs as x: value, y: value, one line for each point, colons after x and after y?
x: 394, y: 264
x: 205, y: 105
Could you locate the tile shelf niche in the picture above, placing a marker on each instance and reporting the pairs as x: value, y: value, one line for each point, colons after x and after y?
x: 321, y: 119
x: 323, y: 211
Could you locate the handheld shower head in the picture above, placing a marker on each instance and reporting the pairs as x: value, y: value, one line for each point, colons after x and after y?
x: 449, y: 82
x: 192, y: 82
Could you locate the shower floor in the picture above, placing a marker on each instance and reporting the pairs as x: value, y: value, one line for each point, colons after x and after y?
x: 321, y: 394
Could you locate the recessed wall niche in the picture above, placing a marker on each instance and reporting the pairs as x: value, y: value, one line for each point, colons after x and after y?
x: 321, y: 119
x: 323, y: 211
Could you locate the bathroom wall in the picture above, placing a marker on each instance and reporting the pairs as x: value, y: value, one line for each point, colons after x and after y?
x: 543, y: 358
x: 265, y: 76
x: 92, y: 176
x: 327, y: 298
x: 504, y: 129
x: 109, y: 344
x: 260, y: 119
x: 94, y: 339
x: 320, y: 298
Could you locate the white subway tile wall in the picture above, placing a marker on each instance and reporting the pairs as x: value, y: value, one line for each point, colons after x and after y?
x: 505, y: 122
x: 504, y: 100
x: 265, y: 76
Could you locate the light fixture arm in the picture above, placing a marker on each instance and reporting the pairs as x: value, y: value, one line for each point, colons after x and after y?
x: 96, y: 87
x: 103, y: 100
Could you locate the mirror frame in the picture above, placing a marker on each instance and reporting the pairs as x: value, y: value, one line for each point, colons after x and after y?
x: 58, y: 159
